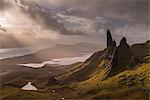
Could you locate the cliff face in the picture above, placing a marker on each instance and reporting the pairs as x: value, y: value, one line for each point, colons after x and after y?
x: 123, y: 58
x: 109, y: 39
x: 123, y: 54
x: 98, y: 62
x: 111, y: 61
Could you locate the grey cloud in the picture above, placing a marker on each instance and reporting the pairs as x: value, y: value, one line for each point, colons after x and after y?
x: 4, y: 4
x: 136, y: 9
x: 115, y: 14
x: 45, y: 14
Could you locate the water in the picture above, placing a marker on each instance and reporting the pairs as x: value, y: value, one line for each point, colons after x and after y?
x: 15, y: 52
x: 33, y: 65
x: 61, y: 61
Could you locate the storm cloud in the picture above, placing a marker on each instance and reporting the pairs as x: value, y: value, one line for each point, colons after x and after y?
x: 87, y: 18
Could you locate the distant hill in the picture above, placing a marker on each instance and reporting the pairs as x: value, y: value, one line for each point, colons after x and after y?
x: 57, y: 51
x: 63, y: 50
x: 141, y: 50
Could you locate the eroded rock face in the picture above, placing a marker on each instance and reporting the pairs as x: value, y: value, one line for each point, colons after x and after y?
x: 91, y: 65
x: 109, y: 39
x: 123, y: 58
x: 116, y: 59
x: 111, y: 44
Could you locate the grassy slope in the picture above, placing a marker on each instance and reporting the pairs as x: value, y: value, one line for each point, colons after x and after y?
x: 11, y: 93
x: 141, y: 50
x: 128, y: 85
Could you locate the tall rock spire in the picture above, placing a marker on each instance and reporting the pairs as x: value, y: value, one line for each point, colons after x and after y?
x: 109, y: 39
x: 123, y: 41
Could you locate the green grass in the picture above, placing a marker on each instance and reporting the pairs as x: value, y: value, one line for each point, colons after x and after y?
x: 128, y: 85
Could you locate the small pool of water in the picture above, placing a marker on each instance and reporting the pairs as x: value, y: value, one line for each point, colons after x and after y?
x: 61, y: 61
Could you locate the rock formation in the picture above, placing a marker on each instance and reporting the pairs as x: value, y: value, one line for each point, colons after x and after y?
x: 109, y: 39
x: 113, y: 60
x: 123, y: 58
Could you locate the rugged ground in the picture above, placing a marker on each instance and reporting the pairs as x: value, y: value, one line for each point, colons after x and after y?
x: 116, y: 73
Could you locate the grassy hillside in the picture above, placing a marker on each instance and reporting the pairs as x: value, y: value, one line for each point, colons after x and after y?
x: 88, y: 68
x: 128, y: 85
x: 88, y: 80
x: 131, y: 84
x: 141, y: 50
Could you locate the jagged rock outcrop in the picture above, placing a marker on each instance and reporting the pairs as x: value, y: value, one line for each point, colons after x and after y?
x: 111, y: 45
x: 93, y: 64
x: 123, y: 58
x: 109, y: 39
x: 111, y: 61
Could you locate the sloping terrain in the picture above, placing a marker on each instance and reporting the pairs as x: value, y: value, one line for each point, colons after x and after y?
x: 55, y: 52
x: 128, y: 85
x: 112, y: 60
x: 10, y: 64
x: 141, y: 50
x: 116, y: 73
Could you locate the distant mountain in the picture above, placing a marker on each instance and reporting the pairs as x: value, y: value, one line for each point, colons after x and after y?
x: 57, y: 51
x: 64, y: 50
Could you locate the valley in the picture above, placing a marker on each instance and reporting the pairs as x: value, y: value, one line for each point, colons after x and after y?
x: 115, y: 73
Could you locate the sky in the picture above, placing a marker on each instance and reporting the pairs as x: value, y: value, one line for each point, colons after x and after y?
x: 72, y: 21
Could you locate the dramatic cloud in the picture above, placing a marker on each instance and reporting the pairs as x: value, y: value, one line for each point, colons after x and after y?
x: 87, y: 19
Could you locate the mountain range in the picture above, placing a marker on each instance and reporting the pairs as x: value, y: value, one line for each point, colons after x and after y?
x: 57, y: 51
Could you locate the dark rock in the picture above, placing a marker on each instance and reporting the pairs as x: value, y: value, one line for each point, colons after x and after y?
x: 53, y: 81
x: 123, y: 58
x: 114, y: 43
x: 117, y: 59
x: 112, y: 49
x: 123, y: 41
x: 132, y: 62
x: 109, y: 39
